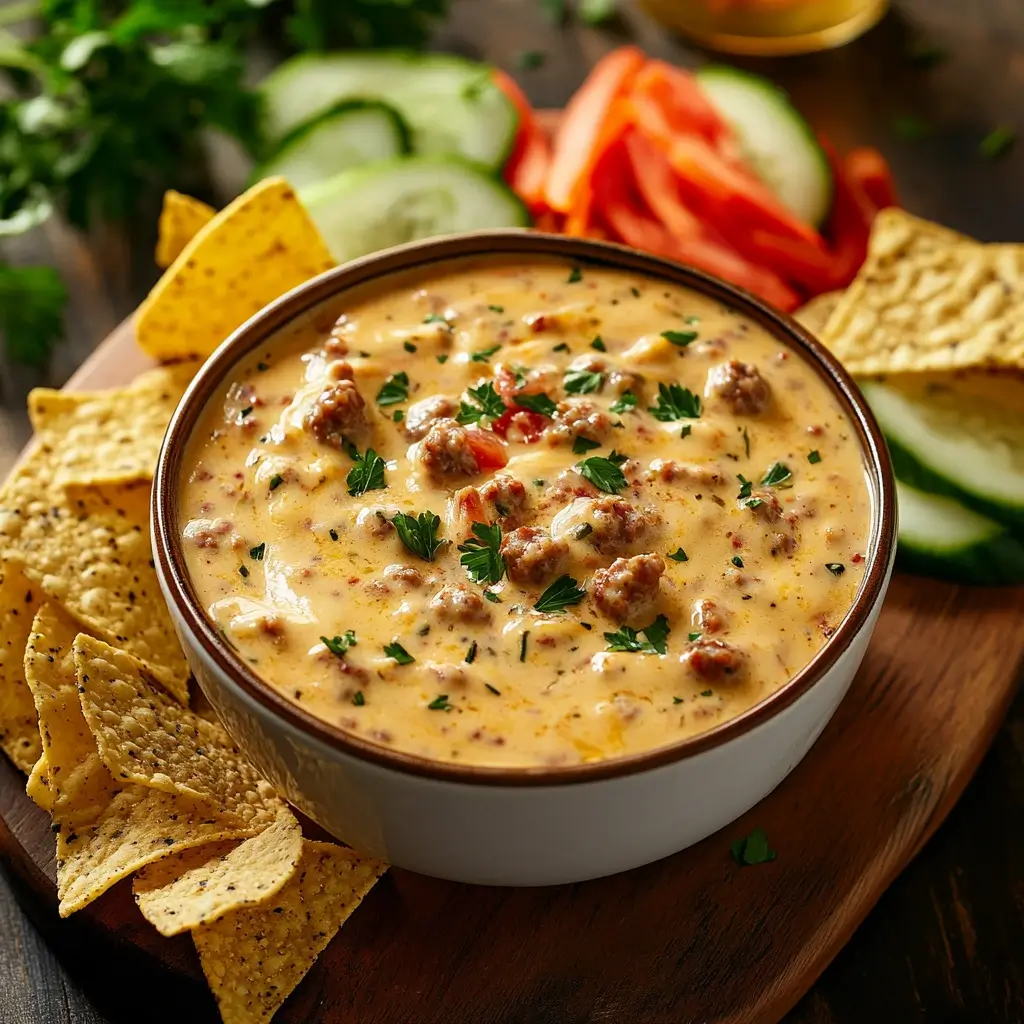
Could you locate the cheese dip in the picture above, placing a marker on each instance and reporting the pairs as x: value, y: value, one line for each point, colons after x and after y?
x: 525, y: 513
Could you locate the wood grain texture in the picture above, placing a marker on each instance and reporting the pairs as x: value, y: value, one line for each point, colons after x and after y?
x: 692, y: 937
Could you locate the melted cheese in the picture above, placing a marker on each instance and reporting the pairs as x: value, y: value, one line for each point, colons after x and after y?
x: 282, y: 555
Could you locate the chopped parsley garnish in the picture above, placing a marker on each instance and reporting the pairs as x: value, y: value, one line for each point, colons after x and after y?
x: 275, y: 481
x: 481, y: 554
x: 493, y: 689
x: 575, y: 276
x: 997, y: 143
x: 636, y: 292
x: 624, y: 403
x: 752, y: 850
x: 603, y: 473
x: 598, y: 343
x: 443, y: 358
x: 262, y: 367
x: 440, y: 703
x: 399, y: 653
x: 258, y: 552
x: 836, y: 568
x: 471, y: 653
x: 675, y: 403
x: 677, y: 700
x: 746, y: 443
x: 737, y: 561
x: 562, y: 346
x: 694, y: 636
x: 706, y: 693
x: 485, y: 354
x: 582, y: 445
x: 488, y: 404
x: 398, y: 415
x: 814, y: 457
x: 408, y: 346
x: 562, y: 593
x: 679, y: 555
x: 243, y: 572
x: 436, y: 318
x: 367, y: 474
x: 745, y: 487
x: 777, y: 476
x: 541, y: 404
x: 523, y: 640
x: 358, y: 699
x: 419, y: 533
x: 333, y: 533
x: 686, y: 431
x: 338, y: 645
x: 491, y: 596
x: 496, y: 309
x: 245, y: 412
x: 680, y: 338
x: 582, y: 382
x: 394, y: 390
x: 628, y: 639
x: 582, y: 531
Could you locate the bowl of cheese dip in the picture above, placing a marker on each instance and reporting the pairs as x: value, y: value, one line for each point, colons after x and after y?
x: 518, y: 559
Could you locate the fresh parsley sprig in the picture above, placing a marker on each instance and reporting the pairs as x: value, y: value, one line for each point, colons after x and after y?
x: 481, y: 554
x: 367, y: 474
x: 394, y: 390
x: 419, y: 533
x: 604, y: 473
x: 563, y: 592
x: 628, y: 639
x: 486, y: 404
x: 675, y: 403
x: 339, y: 645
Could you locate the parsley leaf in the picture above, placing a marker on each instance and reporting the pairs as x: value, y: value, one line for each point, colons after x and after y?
x: 258, y: 551
x: 358, y: 699
x: 399, y: 653
x: 575, y: 276
x: 627, y: 639
x: 481, y: 554
x: 562, y: 593
x: 419, y: 533
x: 754, y: 849
x: 582, y: 445
x: 680, y: 338
x: 582, y: 382
x: 338, y: 645
x: 275, y: 481
x: 436, y: 318
x: 675, y: 403
x: 598, y: 344
x: 778, y: 475
x: 836, y: 568
x: 485, y: 354
x: 537, y: 403
x: 603, y: 473
x: 32, y: 301
x: 679, y: 555
x: 488, y: 404
x: 814, y: 457
x: 745, y: 487
x: 367, y: 474
x: 394, y: 390
x: 624, y: 403
x: 440, y: 703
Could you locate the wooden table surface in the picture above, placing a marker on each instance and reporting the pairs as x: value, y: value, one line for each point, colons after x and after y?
x: 946, y: 943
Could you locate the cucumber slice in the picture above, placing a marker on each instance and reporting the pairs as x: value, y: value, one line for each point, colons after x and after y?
x: 956, y: 441
x: 451, y: 105
x: 353, y: 133
x: 941, y: 538
x: 779, y: 144
x: 385, y: 204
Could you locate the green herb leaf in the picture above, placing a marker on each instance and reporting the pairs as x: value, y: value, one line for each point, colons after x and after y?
x: 440, y: 703
x: 496, y: 309
x: 358, y: 699
x: 243, y: 572
x: 680, y: 338
x: 443, y: 358
x: 541, y: 404
x: 562, y: 593
x: 752, y: 850
x: 624, y: 403
x: 746, y: 443
x: 575, y: 276
x: 693, y: 637
x: 582, y: 382
x: 419, y: 533
x: 471, y: 653
x: 275, y: 481
x: 258, y: 551
x: 675, y: 403
x: 394, y: 390
x: 745, y: 487
x: 737, y: 561
x: 598, y: 343
x: 399, y: 653
x: 603, y: 473
x: 582, y: 445
x: 338, y: 645
x: 367, y: 474
x: 491, y: 596
x: 485, y: 354
x: 436, y: 318
x: 493, y: 689
x: 778, y: 475
x: 522, y: 644
x: 409, y: 346
x: 706, y: 693
x: 679, y: 555
x: 814, y: 457
x: 628, y: 639
x: 482, y: 558
x: 836, y: 568
x: 487, y: 401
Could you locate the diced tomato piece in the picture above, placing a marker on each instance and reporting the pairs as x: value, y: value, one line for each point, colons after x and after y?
x: 488, y: 449
x: 527, y: 422
x: 469, y: 506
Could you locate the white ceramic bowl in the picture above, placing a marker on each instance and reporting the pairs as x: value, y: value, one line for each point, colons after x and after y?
x: 534, y: 826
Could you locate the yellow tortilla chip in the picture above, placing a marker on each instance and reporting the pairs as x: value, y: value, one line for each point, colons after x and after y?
x: 253, y: 251
x: 37, y: 788
x: 89, y: 550
x: 19, y: 734
x: 814, y: 315
x: 145, y: 737
x: 952, y: 307
x: 108, y: 436
x: 896, y: 234
x: 181, y: 219
x: 255, y: 957
x: 199, y: 887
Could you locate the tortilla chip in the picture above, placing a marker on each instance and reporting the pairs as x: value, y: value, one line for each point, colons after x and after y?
x: 181, y: 219
x: 896, y: 234
x: 253, y: 251
x: 953, y: 307
x: 255, y: 957
x: 71, y: 782
x: 89, y: 550
x: 814, y: 315
x: 145, y: 737
x: 19, y: 734
x: 108, y: 436
x: 199, y: 887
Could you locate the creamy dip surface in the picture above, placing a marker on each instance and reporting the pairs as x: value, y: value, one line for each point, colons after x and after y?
x: 525, y: 513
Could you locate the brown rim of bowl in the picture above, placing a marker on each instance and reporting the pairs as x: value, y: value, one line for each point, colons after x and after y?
x: 167, y: 540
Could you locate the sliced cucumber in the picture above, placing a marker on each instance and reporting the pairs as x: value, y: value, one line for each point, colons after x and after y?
x: 778, y: 142
x: 954, y: 441
x: 353, y: 133
x: 450, y: 104
x: 941, y: 538
x: 385, y: 204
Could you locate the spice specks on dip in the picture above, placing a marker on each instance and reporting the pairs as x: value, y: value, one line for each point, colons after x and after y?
x: 523, y: 513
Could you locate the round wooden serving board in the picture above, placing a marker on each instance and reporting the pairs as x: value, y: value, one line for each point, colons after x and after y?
x: 693, y: 938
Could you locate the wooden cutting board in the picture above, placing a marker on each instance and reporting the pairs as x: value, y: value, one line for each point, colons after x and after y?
x: 693, y: 938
